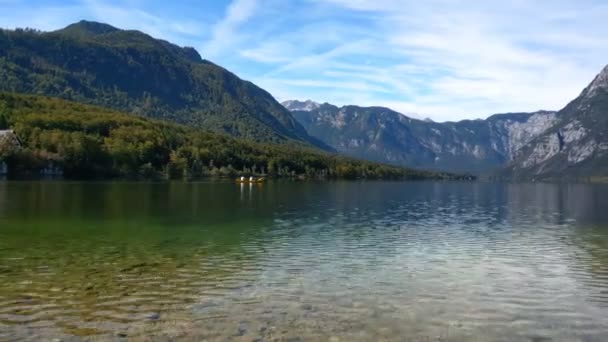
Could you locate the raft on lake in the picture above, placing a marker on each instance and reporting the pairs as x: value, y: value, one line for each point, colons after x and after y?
x: 250, y: 180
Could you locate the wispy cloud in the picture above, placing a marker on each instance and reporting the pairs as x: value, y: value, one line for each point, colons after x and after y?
x: 225, y: 32
x: 128, y: 16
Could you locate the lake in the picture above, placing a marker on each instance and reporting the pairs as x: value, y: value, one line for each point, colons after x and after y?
x: 289, y: 261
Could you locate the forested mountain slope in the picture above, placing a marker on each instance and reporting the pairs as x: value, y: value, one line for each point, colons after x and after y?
x: 130, y: 71
x: 88, y: 141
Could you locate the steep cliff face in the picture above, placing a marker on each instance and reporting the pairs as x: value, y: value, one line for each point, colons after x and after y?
x: 576, y: 145
x: 380, y: 134
x: 514, y: 133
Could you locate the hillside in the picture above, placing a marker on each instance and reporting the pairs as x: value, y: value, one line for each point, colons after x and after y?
x: 130, y: 71
x: 577, y: 145
x: 383, y: 135
x: 88, y: 141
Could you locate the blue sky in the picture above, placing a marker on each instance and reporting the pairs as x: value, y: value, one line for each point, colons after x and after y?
x: 443, y: 59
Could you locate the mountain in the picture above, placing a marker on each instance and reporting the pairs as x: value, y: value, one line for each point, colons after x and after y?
x: 306, y: 106
x: 383, y: 135
x: 88, y: 141
x: 98, y: 64
x: 576, y: 145
x: 571, y: 143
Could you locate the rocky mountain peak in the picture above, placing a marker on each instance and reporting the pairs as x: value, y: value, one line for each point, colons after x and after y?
x: 600, y: 82
x: 306, y: 106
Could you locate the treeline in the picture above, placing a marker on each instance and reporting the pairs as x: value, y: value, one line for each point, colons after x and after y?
x: 92, y: 142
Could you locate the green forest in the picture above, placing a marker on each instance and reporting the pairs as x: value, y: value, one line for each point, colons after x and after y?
x: 131, y: 72
x: 92, y: 142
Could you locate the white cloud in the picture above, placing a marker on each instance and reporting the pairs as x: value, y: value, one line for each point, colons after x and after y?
x: 343, y: 85
x: 225, y: 33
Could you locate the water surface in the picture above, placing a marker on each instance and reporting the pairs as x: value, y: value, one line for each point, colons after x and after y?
x: 343, y: 261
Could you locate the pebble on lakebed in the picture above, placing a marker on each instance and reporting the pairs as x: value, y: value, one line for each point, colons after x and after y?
x: 153, y: 317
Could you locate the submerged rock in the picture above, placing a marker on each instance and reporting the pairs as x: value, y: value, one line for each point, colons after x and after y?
x: 242, y: 329
x: 154, y: 316
x: 307, y: 307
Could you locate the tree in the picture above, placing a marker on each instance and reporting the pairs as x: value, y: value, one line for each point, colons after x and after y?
x: 96, y: 142
x: 8, y: 148
x: 3, y: 118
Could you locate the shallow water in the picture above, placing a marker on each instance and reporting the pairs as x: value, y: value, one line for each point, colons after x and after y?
x: 304, y: 261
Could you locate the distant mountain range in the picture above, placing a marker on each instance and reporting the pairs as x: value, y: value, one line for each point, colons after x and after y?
x: 570, y: 143
x: 383, y: 135
x: 98, y: 64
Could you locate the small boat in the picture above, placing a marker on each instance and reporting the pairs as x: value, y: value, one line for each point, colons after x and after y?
x: 249, y: 180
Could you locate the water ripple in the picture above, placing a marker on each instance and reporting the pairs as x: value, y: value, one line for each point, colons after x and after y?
x: 455, y: 262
